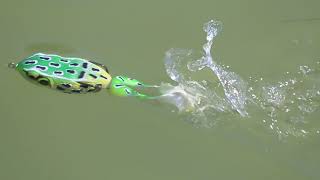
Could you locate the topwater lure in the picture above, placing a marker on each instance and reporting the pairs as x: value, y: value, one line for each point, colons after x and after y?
x: 76, y: 75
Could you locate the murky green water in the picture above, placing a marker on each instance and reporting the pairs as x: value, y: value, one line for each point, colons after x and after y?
x: 50, y: 135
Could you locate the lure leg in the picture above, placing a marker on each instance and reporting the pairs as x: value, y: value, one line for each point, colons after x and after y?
x: 131, y: 82
x: 124, y: 86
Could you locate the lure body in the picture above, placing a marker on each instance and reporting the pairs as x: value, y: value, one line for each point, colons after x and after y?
x: 75, y: 75
x: 70, y: 75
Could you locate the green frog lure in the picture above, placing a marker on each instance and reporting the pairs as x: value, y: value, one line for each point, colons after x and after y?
x: 76, y: 75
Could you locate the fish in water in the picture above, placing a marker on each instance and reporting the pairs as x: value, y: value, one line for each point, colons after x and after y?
x: 76, y: 75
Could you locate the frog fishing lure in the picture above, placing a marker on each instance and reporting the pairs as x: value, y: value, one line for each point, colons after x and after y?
x: 76, y: 75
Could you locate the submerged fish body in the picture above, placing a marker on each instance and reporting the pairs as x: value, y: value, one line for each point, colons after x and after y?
x: 66, y: 74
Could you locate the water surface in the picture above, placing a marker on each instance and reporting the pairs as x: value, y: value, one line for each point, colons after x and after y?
x: 48, y: 135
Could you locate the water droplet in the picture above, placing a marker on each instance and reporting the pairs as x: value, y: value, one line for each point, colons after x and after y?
x: 303, y: 131
x: 305, y: 69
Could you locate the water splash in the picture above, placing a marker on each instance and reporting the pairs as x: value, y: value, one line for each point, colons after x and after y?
x: 288, y: 106
x: 283, y: 107
x: 196, y: 96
